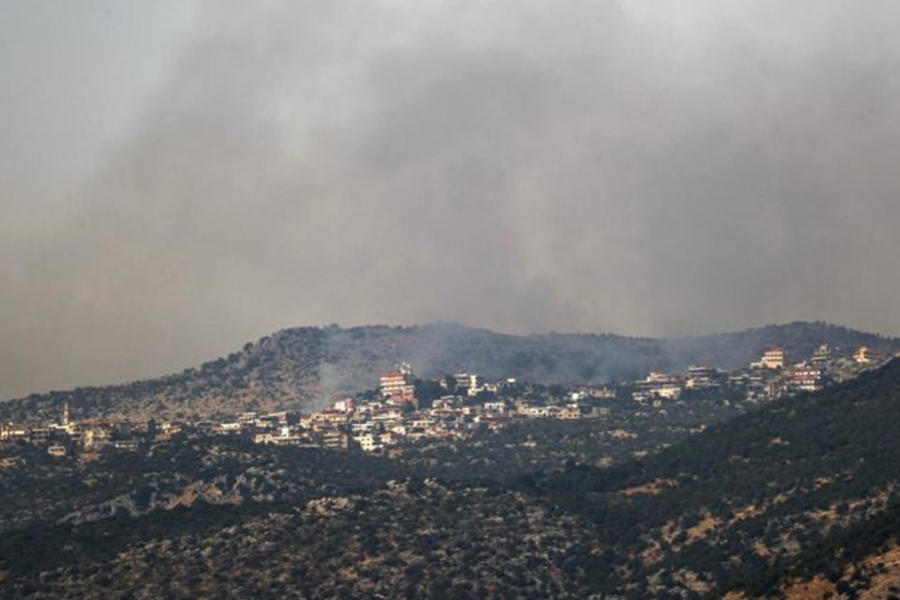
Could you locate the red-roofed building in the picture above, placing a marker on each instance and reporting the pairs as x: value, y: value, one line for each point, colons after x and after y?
x: 398, y: 385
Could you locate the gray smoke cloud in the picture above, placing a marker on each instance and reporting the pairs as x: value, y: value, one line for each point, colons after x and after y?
x: 526, y: 165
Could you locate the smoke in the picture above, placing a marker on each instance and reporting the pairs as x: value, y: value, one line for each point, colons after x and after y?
x: 522, y: 165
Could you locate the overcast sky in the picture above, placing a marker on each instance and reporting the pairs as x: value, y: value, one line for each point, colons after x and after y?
x: 178, y: 177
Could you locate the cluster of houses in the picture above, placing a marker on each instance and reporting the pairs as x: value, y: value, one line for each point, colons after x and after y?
x: 88, y: 436
x: 391, y: 419
x: 465, y: 404
x: 395, y: 417
x: 769, y: 377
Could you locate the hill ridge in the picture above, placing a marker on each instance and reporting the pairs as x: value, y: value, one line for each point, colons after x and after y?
x: 302, y: 367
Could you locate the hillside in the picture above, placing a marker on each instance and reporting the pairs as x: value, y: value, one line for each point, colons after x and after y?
x: 304, y: 367
x: 798, y: 498
x: 801, y: 489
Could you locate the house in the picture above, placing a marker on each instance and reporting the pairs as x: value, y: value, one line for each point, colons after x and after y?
x: 130, y: 445
x: 247, y: 417
x: 95, y: 438
x: 390, y: 438
x: 866, y: 356
x: 264, y: 438
x: 10, y: 461
x: 821, y: 355
x: 423, y: 424
x: 540, y: 412
x: 772, y: 358
x: 601, y: 392
x: 369, y: 442
x: 658, y: 385
x: 13, y: 431
x: 805, y: 378
x: 334, y: 440
x: 398, y: 385
x: 56, y: 450
x: 39, y: 435
x: 344, y: 406
x: 466, y: 381
x: 447, y: 402
x: 230, y: 428
x: 569, y: 413
x: 362, y: 427
x: 703, y: 378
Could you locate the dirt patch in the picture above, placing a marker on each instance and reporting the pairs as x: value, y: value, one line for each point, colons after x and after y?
x: 703, y: 527
x: 651, y: 488
x: 888, y: 577
x: 815, y: 589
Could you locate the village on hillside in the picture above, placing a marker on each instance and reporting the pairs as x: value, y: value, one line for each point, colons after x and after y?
x: 405, y: 410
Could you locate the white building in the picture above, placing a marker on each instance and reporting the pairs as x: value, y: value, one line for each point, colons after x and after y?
x: 866, y: 356
x: 772, y: 358
x: 56, y: 450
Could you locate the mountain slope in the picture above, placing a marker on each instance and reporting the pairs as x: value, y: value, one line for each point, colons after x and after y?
x: 303, y: 367
x: 800, y: 497
x: 756, y: 502
x: 277, y: 370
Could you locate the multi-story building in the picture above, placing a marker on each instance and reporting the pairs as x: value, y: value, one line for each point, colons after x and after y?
x: 468, y: 382
x: 334, y: 440
x: 805, y: 378
x: 821, y: 355
x: 660, y: 385
x: 13, y: 431
x: 398, y: 385
x: 772, y: 358
x: 701, y: 378
x: 39, y: 435
x: 345, y: 405
x: 369, y: 442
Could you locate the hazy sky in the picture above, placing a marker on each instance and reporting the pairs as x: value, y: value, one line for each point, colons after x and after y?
x: 178, y: 177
